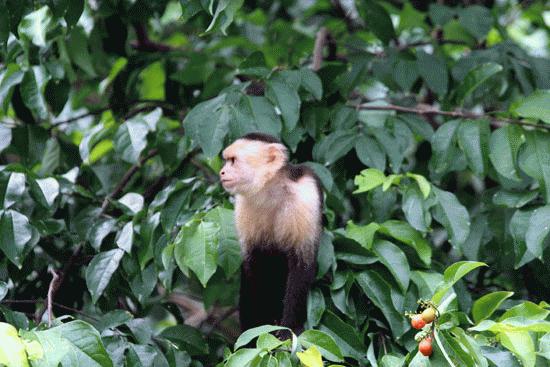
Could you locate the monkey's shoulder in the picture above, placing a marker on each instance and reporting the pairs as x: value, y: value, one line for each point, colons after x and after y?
x: 297, y: 172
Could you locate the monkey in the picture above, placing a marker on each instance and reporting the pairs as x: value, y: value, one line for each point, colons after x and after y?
x: 278, y: 218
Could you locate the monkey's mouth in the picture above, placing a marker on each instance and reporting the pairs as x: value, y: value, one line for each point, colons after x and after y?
x: 228, y: 183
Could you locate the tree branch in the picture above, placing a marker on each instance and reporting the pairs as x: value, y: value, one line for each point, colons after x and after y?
x: 144, y: 43
x: 320, y: 42
x: 426, y: 110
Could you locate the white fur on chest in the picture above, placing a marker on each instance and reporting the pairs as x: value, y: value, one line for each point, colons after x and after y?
x: 286, y: 215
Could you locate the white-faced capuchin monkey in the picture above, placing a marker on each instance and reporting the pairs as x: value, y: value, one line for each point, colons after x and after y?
x: 278, y: 215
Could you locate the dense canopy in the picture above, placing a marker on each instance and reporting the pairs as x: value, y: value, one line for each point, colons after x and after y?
x: 427, y: 122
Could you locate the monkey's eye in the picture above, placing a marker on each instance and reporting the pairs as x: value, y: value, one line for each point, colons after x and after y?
x: 231, y: 160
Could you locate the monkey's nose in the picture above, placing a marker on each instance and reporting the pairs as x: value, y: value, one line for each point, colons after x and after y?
x: 222, y: 172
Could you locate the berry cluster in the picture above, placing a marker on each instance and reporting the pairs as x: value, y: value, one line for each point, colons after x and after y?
x: 426, y: 315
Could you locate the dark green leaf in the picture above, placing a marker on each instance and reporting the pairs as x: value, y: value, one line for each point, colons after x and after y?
x: 100, y: 270
x: 378, y: 21
x: 454, y: 217
x: 475, y: 77
x: 197, y: 249
x: 433, y: 70
x: 15, y: 232
x: 286, y: 100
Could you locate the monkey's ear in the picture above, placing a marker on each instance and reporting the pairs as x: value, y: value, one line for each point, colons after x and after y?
x: 275, y: 153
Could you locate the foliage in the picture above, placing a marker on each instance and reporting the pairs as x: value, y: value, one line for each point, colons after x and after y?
x: 428, y: 127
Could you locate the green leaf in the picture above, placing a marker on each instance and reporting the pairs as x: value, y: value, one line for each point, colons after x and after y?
x: 455, y: 217
x: 323, y: 342
x: 473, y: 137
x: 5, y: 136
x: 197, y: 249
x: 186, y: 338
x: 311, y: 82
x: 130, y: 139
x: 74, y: 11
x: 229, y: 256
x: 528, y: 310
x: 484, y: 307
x: 423, y: 184
x: 334, y: 146
x: 370, y: 153
x: 255, y: 114
x: 504, y: 146
x: 243, y: 357
x: 537, y: 231
x: 364, y: 235
x: 380, y: 293
x: 99, y: 230
x: 395, y: 260
x: 346, y: 337
x: 415, y: 209
x: 253, y: 333
x: 521, y: 344
x: 477, y: 20
x: 32, y: 94
x: 100, y: 270
x: 45, y: 190
x: 12, y: 349
x: 35, y: 25
x: 511, y: 199
x: 77, y: 46
x: 369, y: 179
x: 75, y: 343
x: 534, y: 162
x: 286, y: 100
x: 433, y: 70
x: 11, y: 78
x: 315, y: 307
x: 132, y: 201
x: 403, y: 232
x: 15, y: 232
x: 378, y: 21
x: 14, y: 189
x: 117, y: 67
x: 223, y: 17
x: 453, y: 274
x: 125, y: 237
x: 208, y: 123
x: 3, y: 290
x: 475, y: 77
x: 535, y: 106
x: 51, y: 158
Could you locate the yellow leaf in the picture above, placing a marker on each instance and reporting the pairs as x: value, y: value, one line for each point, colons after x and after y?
x: 311, y: 357
x: 12, y: 349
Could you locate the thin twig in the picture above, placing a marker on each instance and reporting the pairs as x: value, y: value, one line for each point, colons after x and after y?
x: 429, y: 110
x: 126, y: 178
x: 54, y: 285
x: 86, y: 114
x: 431, y: 42
x: 35, y: 301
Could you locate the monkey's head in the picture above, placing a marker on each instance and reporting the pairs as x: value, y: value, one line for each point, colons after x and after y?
x: 250, y: 162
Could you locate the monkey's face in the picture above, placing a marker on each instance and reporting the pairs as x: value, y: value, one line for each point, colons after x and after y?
x: 238, y: 173
x: 249, y: 165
